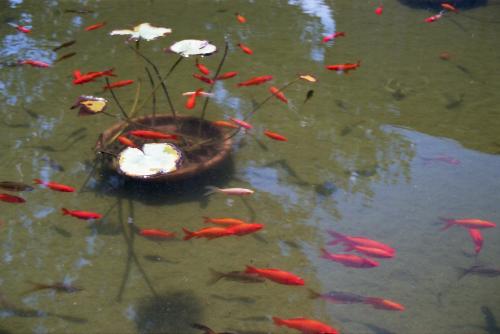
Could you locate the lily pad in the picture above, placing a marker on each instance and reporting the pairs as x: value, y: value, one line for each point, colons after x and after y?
x: 193, y: 47
x: 143, y: 31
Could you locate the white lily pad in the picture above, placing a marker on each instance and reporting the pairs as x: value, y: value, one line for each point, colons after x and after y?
x: 143, y: 31
x: 153, y: 160
x: 193, y: 47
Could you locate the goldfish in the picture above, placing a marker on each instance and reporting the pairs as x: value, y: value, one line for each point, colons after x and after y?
x: 11, y: 198
x: 20, y: 28
x: 81, y: 214
x: 477, y: 238
x: 276, y: 275
x: 34, y: 63
x: 229, y: 191
x: 15, y: 186
x: 467, y: 223
x: 95, y: 26
x: 55, y: 186
x: 237, y: 276
x: 279, y: 94
x: 65, y: 56
x: 202, y: 68
x: 449, y: 7
x: 242, y: 229
x: 275, y: 136
x: 256, y: 80
x: 227, y: 75
x: 225, y: 124
x: 156, y: 234
x: 337, y: 297
x: 204, y: 79
x: 241, y: 123
x: 306, y: 326
x: 370, y: 251
x: 191, y: 101
x: 344, y: 67
x: 434, y: 18
x: 240, y: 18
x: 208, y: 232
x: 328, y: 38
x: 147, y: 134
x: 117, y: 84
x: 245, y: 48
x: 58, y: 286
x: 127, y: 142
x: 349, y: 260
x: 379, y: 10
x: 384, y: 304
x: 223, y: 221
x: 201, y: 93
x: 358, y: 241
x: 64, y: 45
x: 80, y: 78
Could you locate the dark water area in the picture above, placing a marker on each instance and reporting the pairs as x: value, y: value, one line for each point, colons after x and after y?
x: 381, y: 151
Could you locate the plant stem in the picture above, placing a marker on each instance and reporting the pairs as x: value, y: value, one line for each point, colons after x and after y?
x: 116, y: 100
x: 154, y: 93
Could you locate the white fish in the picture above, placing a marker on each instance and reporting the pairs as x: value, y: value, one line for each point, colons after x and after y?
x: 229, y: 191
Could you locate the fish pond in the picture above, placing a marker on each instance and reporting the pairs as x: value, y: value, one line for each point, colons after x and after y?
x: 382, y: 151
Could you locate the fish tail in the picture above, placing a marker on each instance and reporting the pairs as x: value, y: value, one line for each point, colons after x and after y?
x: 359, y: 63
x: 211, y: 190
x: 202, y: 327
x: 324, y: 253
x: 251, y: 270
x: 278, y: 321
x: 313, y: 294
x: 189, y: 234
x: 216, y: 276
x: 65, y: 211
x: 110, y: 72
x: 37, y: 181
x: 206, y: 220
x: 348, y: 248
x: 449, y: 223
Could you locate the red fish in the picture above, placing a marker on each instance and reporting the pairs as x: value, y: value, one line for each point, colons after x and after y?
x: 120, y: 83
x: 306, y: 326
x: 227, y: 75
x: 242, y: 229
x: 34, y: 63
x: 328, y: 38
x: 225, y: 124
x: 11, y: 198
x: 223, y: 221
x: 84, y: 78
x: 379, y: 10
x: 344, y: 67
x: 275, y: 136
x: 191, y: 101
x: 86, y: 215
x: 371, y: 251
x: 202, y: 68
x: 384, y: 304
x: 434, y: 18
x: 477, y: 238
x: 204, y: 79
x: 127, y: 142
x: 449, y: 7
x: 349, y: 260
x: 156, y: 234
x: 256, y: 80
x: 208, y: 232
x: 147, y: 134
x: 55, y: 186
x: 276, y: 275
x: 467, y: 223
x: 240, y: 18
x: 358, y: 241
x: 20, y: 28
x: 241, y: 123
x: 95, y: 26
x: 279, y: 94
x: 245, y: 48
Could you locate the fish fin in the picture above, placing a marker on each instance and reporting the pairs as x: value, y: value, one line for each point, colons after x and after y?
x: 110, y: 72
x: 210, y: 190
x: 38, y: 181
x: 189, y: 234
x: 449, y: 223
x: 65, y: 211
x: 216, y: 276
x: 278, y: 321
x: 313, y: 294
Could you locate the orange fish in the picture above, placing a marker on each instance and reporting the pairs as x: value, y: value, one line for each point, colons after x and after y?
x: 95, y: 26
x: 55, y: 186
x: 370, y: 251
x: 156, y: 234
x: 202, y: 68
x: 358, y: 241
x: 477, y: 238
x: 120, y: 83
x: 204, y: 79
x: 241, y: 123
x: 434, y: 18
x: 306, y: 326
x: 349, y: 260
x: 11, y: 198
x: 384, y: 304
x: 225, y: 124
x: 208, y: 232
x: 275, y: 136
x: 191, y: 101
x: 147, y: 134
x: 449, y: 7
x: 127, y: 142
x: 256, y: 80
x: 379, y: 10
x: 20, y: 28
x: 84, y: 78
x: 227, y: 75
x: 328, y: 38
x: 81, y: 214
x: 276, y: 275
x: 245, y: 48
x: 344, y: 67
x: 242, y: 229
x: 229, y: 191
x: 278, y: 94
x: 240, y: 18
x: 467, y: 223
x: 223, y: 221
x: 34, y: 63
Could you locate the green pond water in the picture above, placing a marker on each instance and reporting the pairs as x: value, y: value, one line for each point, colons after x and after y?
x: 382, y: 152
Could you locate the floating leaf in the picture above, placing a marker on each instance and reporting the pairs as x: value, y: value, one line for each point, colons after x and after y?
x: 90, y: 105
x: 154, y: 159
x: 193, y: 47
x: 143, y: 31
x: 308, y: 77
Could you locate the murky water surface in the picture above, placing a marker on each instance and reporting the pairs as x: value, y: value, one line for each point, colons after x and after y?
x: 380, y: 152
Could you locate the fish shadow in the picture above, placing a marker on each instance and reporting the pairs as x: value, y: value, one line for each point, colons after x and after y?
x: 490, y: 321
x: 172, y: 312
x: 235, y: 299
